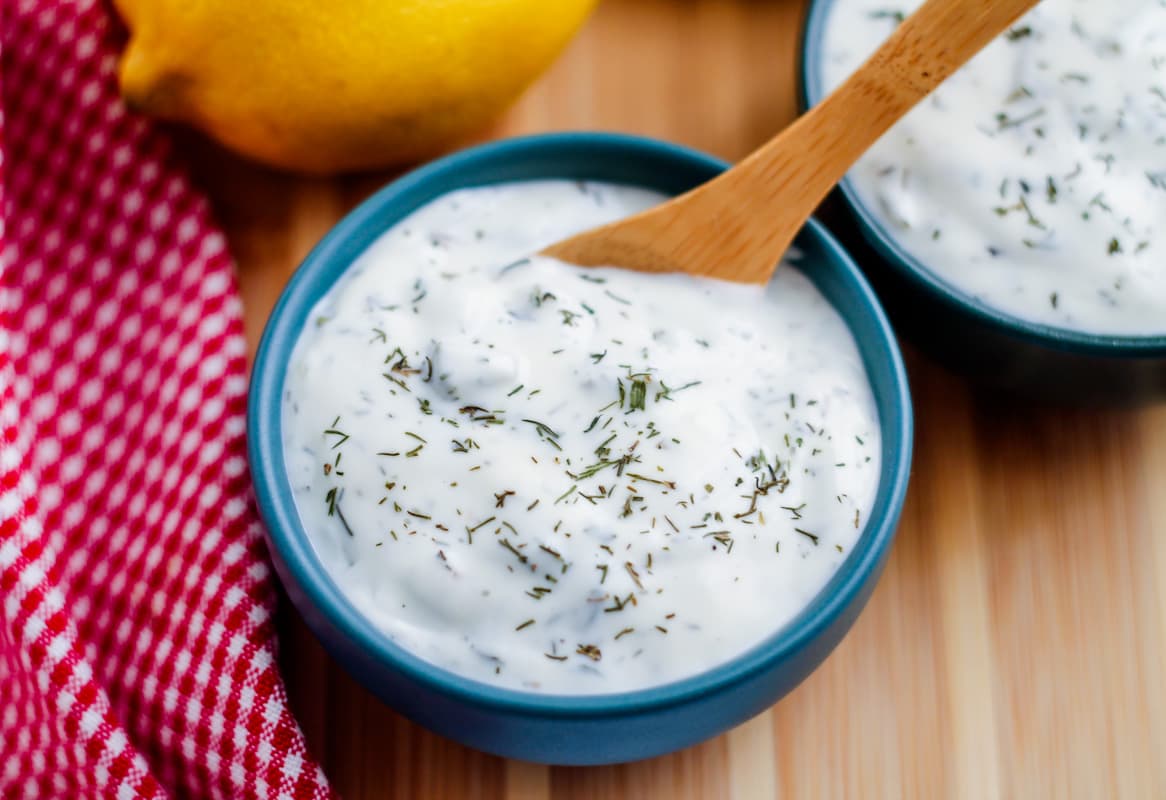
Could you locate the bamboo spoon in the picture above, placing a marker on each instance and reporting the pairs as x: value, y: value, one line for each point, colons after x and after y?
x: 738, y: 225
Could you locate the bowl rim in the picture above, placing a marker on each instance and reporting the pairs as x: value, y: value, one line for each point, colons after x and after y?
x: 883, y: 241
x: 277, y: 506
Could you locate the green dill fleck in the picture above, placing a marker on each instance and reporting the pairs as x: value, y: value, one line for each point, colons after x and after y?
x: 544, y: 431
x: 589, y: 650
x: 723, y: 538
x: 470, y: 531
x: 646, y: 479
x: 885, y: 13
x: 334, y: 431
x: 808, y: 535
x: 638, y: 397
x: 551, y: 551
x: 507, y: 545
x: 667, y: 391
x: 1020, y: 93
x: 1004, y: 122
x: 635, y: 576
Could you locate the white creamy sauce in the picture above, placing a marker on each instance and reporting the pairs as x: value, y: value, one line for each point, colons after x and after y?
x: 1034, y: 179
x: 569, y: 480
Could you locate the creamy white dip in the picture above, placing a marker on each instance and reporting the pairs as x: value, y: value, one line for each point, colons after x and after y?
x: 1035, y: 178
x: 570, y: 480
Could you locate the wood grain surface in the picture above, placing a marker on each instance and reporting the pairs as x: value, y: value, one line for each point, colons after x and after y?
x: 1016, y: 646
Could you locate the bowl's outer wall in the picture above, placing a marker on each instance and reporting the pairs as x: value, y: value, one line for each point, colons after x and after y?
x: 551, y: 739
x: 620, y: 732
x: 1030, y: 362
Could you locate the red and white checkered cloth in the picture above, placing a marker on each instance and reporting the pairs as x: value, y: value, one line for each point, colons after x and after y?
x: 137, y: 653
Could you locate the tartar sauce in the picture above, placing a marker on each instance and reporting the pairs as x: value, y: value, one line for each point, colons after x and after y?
x: 573, y: 480
x: 1034, y: 179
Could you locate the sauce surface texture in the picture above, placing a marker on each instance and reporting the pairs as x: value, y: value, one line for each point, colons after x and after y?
x: 1034, y: 179
x: 566, y: 480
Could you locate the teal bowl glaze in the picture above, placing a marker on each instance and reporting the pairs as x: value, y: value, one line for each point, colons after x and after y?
x: 549, y: 728
x: 1004, y: 353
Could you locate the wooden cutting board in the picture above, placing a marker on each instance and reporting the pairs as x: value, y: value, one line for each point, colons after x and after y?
x: 1016, y: 646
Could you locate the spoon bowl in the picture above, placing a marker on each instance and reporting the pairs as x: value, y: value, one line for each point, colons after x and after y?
x: 738, y: 225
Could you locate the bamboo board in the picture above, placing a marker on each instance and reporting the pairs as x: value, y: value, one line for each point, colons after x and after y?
x: 1016, y: 646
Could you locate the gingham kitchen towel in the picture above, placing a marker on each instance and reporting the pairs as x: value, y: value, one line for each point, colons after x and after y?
x: 137, y: 653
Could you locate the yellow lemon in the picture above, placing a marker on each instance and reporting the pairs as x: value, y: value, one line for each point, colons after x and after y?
x: 325, y: 86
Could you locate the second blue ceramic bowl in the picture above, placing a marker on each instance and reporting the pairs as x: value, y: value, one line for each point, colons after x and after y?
x: 1002, y: 352
x: 549, y: 728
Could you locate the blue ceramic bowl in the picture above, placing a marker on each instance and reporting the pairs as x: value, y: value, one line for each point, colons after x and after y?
x: 1003, y: 352
x: 548, y: 728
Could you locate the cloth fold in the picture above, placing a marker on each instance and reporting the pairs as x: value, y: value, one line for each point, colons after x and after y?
x: 137, y: 652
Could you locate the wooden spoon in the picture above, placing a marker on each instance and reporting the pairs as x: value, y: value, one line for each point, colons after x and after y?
x: 738, y: 225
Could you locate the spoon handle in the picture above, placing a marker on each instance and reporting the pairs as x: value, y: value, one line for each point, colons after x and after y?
x: 790, y: 175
